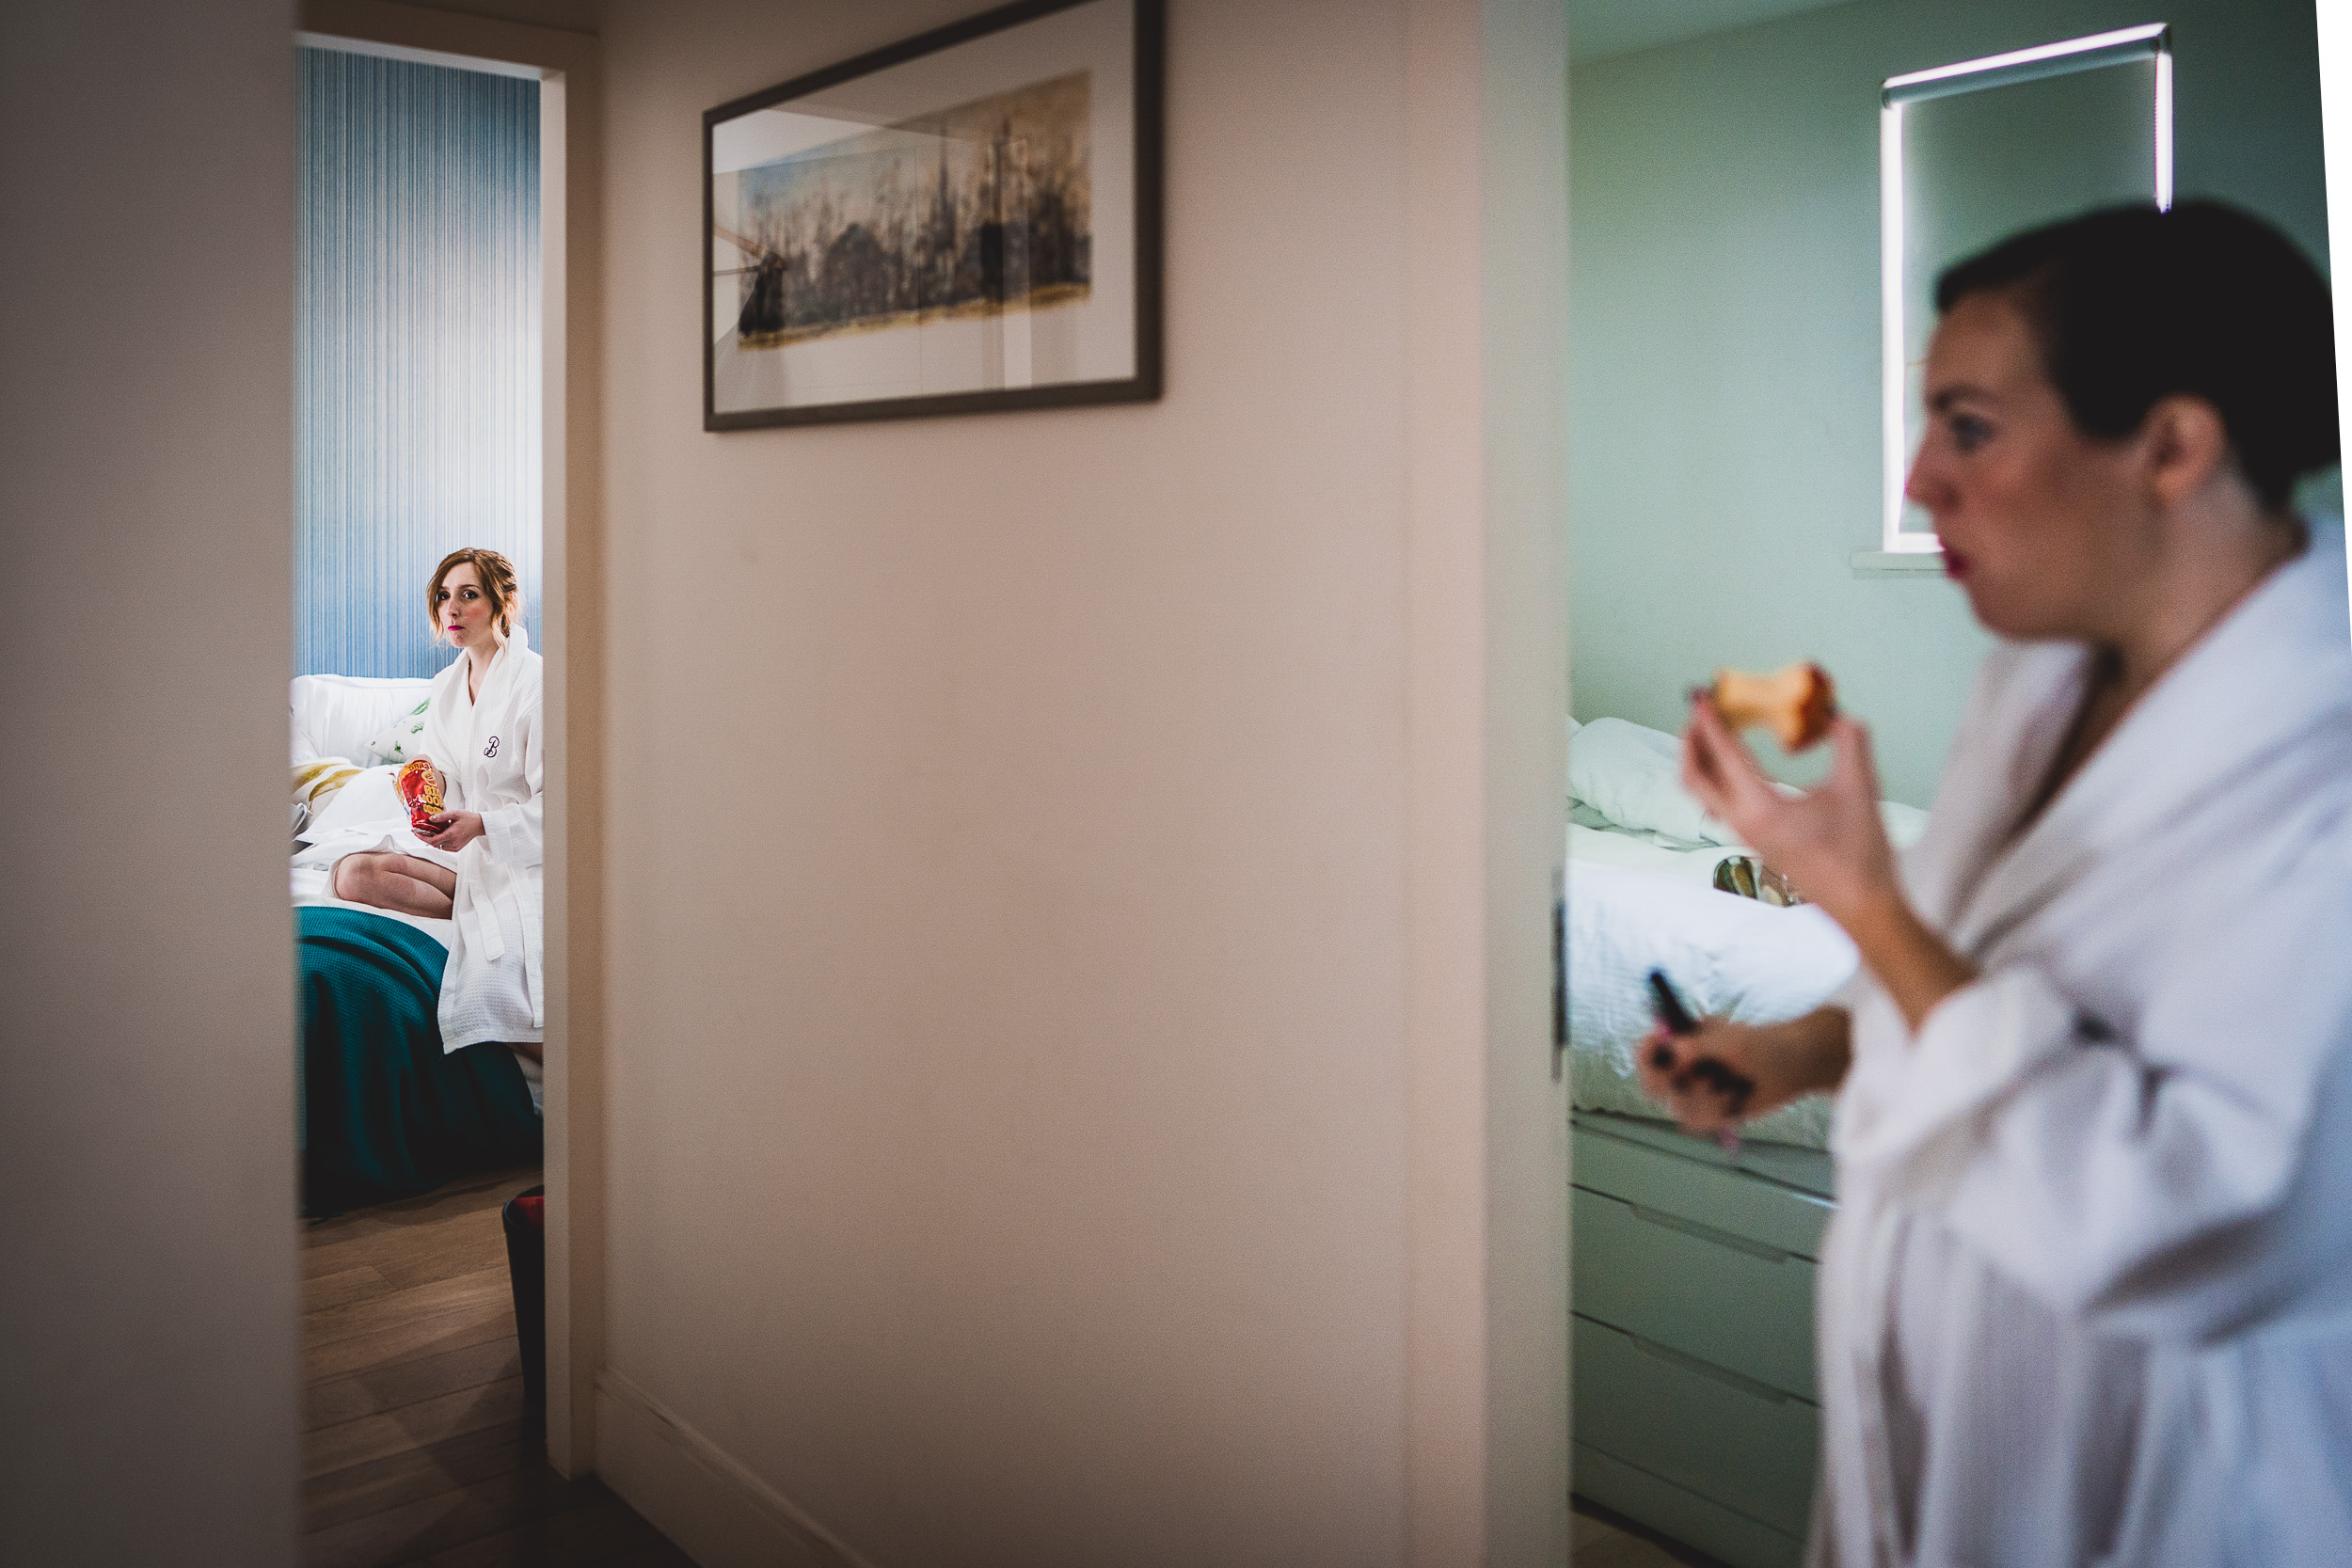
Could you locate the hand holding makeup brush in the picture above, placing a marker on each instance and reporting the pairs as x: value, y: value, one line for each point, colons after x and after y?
x: 1720, y: 1073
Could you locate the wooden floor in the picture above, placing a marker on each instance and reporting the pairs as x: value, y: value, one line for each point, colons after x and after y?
x: 415, y: 1448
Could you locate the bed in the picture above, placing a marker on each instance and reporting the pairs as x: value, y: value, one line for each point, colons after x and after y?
x: 1692, y: 1324
x: 384, y: 1112
x: 1641, y: 894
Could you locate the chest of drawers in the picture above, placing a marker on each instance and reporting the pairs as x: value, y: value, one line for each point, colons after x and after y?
x: 1693, y: 1335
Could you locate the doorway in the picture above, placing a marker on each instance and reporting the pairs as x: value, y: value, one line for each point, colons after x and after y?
x: 445, y: 389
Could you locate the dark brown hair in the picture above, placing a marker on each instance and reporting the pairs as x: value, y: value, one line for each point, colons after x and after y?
x: 2132, y: 305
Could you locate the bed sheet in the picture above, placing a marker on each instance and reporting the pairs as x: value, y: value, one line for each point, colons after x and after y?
x: 387, y: 1114
x: 310, y: 892
x: 1629, y: 851
x: 1634, y: 906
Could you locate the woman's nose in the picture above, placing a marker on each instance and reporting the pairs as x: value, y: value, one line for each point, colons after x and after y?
x: 1923, y: 486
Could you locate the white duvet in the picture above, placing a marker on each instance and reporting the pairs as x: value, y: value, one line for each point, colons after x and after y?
x: 1641, y: 895
x: 1729, y: 957
x: 367, y: 798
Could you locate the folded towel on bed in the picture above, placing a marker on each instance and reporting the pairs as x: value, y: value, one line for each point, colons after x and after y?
x: 385, y: 1113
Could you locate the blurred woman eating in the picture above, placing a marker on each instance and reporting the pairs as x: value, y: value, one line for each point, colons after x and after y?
x: 2087, y: 1295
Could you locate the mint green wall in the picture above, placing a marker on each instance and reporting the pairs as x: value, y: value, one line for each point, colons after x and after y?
x: 1723, y: 337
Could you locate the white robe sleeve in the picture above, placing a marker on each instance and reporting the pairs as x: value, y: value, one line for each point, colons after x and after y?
x: 515, y: 835
x: 2131, y: 1180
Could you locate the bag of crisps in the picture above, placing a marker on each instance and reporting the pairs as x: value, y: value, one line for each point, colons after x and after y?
x: 421, y: 792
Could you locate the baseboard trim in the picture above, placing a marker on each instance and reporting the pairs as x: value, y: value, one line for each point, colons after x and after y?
x: 719, y: 1513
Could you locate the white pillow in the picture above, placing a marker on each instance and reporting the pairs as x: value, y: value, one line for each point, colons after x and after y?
x: 317, y: 778
x: 1632, y: 775
x: 398, y: 740
x: 1627, y: 772
x: 369, y: 798
x: 335, y: 716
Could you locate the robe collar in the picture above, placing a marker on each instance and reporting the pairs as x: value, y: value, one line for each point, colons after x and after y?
x: 2274, y: 668
x: 500, y: 676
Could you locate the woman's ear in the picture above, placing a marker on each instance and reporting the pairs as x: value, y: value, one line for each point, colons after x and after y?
x: 2186, y: 444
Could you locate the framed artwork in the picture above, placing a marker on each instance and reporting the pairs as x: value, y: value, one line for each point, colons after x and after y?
x: 966, y: 221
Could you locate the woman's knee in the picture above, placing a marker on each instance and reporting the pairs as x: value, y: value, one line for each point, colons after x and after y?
x: 355, y: 879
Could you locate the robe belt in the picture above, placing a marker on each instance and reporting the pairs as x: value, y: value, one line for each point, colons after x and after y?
x: 482, y: 934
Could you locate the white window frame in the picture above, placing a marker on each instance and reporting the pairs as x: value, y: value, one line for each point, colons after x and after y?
x: 2153, y: 40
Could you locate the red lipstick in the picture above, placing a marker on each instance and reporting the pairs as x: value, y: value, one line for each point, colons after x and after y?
x: 1955, y: 565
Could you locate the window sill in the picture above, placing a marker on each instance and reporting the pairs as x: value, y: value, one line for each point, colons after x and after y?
x: 1897, y: 564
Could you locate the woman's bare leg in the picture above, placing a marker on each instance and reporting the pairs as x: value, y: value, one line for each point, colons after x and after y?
x: 400, y: 882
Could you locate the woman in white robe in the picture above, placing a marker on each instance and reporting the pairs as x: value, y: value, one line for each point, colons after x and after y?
x: 2087, y: 1295
x: 481, y: 865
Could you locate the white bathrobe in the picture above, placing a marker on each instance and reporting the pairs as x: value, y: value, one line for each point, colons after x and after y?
x: 2087, y: 1296
x: 492, y: 753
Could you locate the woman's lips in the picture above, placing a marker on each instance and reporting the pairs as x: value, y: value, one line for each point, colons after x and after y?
x: 1955, y: 564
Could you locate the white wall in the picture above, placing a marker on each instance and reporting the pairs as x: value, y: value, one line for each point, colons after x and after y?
x: 1067, y: 1021
x: 1021, y: 1130
x: 148, y: 1296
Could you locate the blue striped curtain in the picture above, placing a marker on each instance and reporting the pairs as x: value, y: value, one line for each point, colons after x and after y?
x: 417, y: 349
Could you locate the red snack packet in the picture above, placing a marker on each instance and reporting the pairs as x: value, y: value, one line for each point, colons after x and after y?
x: 421, y: 792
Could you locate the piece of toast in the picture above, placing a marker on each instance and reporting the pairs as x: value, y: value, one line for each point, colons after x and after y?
x: 1795, y: 704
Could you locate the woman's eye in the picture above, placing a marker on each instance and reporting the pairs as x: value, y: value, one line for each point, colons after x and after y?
x: 1969, y: 433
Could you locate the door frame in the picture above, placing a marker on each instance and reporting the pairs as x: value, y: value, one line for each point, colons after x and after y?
x: 1486, y: 449
x: 565, y: 65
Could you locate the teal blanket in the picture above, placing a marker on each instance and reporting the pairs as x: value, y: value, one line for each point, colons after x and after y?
x: 386, y: 1113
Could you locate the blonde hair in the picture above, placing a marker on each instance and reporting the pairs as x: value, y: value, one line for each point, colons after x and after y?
x: 497, y: 577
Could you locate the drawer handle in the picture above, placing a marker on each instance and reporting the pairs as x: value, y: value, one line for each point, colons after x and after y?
x: 1708, y: 1369
x: 1708, y: 1233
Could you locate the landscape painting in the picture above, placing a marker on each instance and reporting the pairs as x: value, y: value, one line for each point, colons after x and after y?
x: 965, y: 222
x: 961, y: 213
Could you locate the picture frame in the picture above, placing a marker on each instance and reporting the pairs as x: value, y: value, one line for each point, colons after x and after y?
x: 965, y: 222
